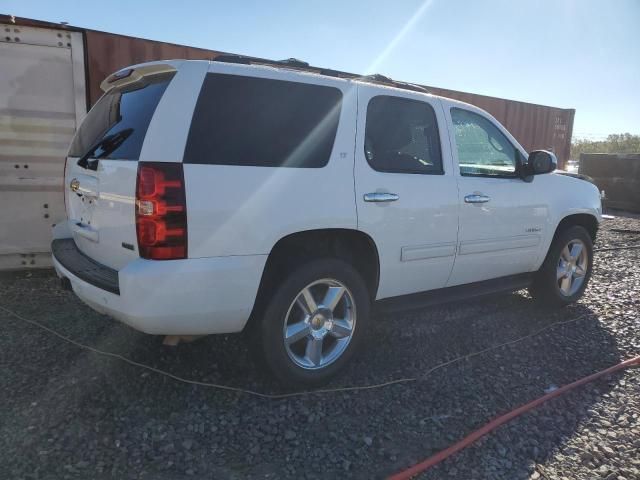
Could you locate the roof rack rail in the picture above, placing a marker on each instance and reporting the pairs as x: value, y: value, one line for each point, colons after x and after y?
x: 247, y: 60
x: 295, y: 64
x: 383, y: 80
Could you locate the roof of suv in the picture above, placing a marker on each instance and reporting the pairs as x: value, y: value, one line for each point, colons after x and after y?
x: 380, y: 81
x: 292, y: 66
x: 299, y: 65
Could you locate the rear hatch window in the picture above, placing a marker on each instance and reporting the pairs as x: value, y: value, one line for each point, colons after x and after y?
x: 116, y: 126
x: 101, y: 201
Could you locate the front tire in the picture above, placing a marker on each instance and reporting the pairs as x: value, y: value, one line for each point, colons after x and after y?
x: 313, y: 322
x: 566, y: 270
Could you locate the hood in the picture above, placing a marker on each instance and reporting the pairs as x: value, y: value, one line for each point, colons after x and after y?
x: 579, y: 176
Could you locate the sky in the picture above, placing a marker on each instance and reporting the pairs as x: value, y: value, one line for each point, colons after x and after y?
x: 582, y: 54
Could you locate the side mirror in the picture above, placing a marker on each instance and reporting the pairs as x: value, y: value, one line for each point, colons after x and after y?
x: 541, y: 161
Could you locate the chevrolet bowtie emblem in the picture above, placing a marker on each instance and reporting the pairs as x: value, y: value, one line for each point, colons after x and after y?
x: 74, y: 185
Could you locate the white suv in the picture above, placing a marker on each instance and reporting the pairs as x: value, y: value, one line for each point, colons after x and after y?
x: 217, y: 196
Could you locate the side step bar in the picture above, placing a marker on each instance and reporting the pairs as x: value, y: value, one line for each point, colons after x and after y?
x: 416, y: 301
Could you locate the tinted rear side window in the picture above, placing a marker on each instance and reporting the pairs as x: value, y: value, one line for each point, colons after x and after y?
x: 118, y: 122
x: 401, y: 136
x: 262, y: 122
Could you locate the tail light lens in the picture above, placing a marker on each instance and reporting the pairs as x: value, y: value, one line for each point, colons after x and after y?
x: 161, y: 211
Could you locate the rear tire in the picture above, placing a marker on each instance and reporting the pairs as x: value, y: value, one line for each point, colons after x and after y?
x: 312, y: 323
x: 566, y: 270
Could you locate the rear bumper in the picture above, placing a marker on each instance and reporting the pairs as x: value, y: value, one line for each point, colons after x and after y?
x: 65, y: 251
x: 175, y: 297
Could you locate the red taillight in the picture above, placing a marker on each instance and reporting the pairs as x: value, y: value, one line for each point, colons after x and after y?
x: 161, y: 211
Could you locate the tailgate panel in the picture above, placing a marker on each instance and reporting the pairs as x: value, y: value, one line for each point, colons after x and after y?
x: 102, y: 211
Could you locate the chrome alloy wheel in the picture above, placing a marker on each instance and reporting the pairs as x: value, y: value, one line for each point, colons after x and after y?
x: 319, y: 324
x: 572, y: 267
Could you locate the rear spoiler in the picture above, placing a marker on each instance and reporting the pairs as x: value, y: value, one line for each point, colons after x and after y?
x: 134, y: 74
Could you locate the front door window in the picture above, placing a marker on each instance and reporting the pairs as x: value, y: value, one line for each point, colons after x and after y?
x: 483, y: 150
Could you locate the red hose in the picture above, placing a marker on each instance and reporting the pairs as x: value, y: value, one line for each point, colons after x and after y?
x: 502, y: 419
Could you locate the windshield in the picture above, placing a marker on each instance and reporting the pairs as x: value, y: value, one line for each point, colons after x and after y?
x: 116, y: 126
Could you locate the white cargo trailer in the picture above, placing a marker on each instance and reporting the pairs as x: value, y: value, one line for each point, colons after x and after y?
x: 42, y: 99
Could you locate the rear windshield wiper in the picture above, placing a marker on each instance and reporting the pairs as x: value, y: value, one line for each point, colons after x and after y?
x: 107, y: 144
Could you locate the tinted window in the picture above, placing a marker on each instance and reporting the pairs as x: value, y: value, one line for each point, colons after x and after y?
x: 118, y: 122
x: 262, y: 122
x: 482, y: 147
x: 401, y: 136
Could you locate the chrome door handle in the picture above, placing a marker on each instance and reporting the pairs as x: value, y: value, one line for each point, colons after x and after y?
x: 476, y: 198
x: 379, y: 197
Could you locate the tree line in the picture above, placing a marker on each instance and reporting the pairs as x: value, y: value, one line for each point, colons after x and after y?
x: 615, y: 143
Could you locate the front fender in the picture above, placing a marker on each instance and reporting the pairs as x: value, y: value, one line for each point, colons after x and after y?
x: 567, y: 196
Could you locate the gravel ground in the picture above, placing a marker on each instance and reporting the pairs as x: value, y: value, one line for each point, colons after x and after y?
x: 68, y: 413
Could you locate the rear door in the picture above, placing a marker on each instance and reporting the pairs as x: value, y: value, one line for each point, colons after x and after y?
x: 118, y: 132
x: 406, y: 193
x: 502, y: 218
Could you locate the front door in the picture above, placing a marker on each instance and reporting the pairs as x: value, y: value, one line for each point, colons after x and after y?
x: 406, y: 192
x: 502, y: 217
